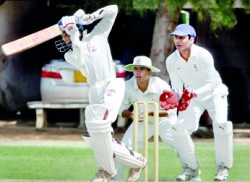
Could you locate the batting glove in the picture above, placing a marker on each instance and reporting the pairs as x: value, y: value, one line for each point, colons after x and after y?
x: 69, y: 25
x: 185, y: 100
x: 90, y: 18
x: 82, y: 18
x: 169, y: 100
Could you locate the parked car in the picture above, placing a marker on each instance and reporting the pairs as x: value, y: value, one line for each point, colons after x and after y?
x: 63, y: 82
x: 119, y: 68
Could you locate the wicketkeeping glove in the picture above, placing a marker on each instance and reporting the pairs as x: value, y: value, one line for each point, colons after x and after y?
x: 169, y: 100
x: 69, y: 24
x: 185, y: 100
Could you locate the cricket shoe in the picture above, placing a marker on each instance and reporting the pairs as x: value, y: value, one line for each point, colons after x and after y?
x: 189, y: 174
x: 222, y: 173
x: 102, y: 176
x: 134, y: 173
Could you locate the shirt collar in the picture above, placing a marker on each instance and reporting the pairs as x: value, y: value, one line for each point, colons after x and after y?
x: 151, y: 86
x: 194, y: 52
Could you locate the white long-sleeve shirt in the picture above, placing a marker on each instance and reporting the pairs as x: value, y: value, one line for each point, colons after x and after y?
x: 92, y: 55
x: 153, y: 92
x: 198, y: 73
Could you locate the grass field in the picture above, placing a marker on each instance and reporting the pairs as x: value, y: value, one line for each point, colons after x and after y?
x: 75, y: 162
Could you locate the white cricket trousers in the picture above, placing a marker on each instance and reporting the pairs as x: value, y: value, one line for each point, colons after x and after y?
x: 110, y: 94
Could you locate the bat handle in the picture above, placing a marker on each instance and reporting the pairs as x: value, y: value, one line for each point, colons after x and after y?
x: 59, y: 23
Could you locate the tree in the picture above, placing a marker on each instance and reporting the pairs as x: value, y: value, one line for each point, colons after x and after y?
x: 219, y: 13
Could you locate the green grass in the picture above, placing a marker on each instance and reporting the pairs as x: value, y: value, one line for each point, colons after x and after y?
x: 77, y: 163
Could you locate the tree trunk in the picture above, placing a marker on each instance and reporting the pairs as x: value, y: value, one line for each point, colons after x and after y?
x: 162, y: 46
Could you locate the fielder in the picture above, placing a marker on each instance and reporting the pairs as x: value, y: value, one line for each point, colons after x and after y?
x: 91, y: 54
x: 144, y: 87
x: 192, y: 67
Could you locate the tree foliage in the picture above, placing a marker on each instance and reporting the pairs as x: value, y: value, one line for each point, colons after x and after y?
x: 220, y: 13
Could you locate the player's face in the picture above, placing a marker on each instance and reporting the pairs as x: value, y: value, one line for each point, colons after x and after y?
x: 183, y: 43
x: 141, y: 74
x: 66, y: 37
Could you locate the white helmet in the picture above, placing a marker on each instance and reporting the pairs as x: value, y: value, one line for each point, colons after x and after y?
x: 60, y: 44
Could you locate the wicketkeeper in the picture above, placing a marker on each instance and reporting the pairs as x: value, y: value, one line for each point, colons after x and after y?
x: 192, y: 67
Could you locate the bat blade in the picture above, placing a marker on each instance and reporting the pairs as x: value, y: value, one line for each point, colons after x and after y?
x: 31, y: 40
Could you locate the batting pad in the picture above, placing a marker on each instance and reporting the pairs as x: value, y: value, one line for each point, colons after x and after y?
x: 184, y: 145
x: 223, y: 139
x: 100, y: 137
x: 127, y: 157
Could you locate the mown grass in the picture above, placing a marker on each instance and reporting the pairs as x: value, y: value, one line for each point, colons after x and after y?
x: 77, y: 163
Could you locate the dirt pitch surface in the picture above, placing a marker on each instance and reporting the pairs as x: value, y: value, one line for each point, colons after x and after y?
x: 10, y: 131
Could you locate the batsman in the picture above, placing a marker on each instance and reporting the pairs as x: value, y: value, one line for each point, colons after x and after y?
x: 92, y: 55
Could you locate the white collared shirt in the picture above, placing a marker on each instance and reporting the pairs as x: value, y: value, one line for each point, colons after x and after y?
x: 153, y: 92
x: 198, y: 72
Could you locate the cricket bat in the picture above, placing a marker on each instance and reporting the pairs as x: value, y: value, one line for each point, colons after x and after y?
x: 31, y: 40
